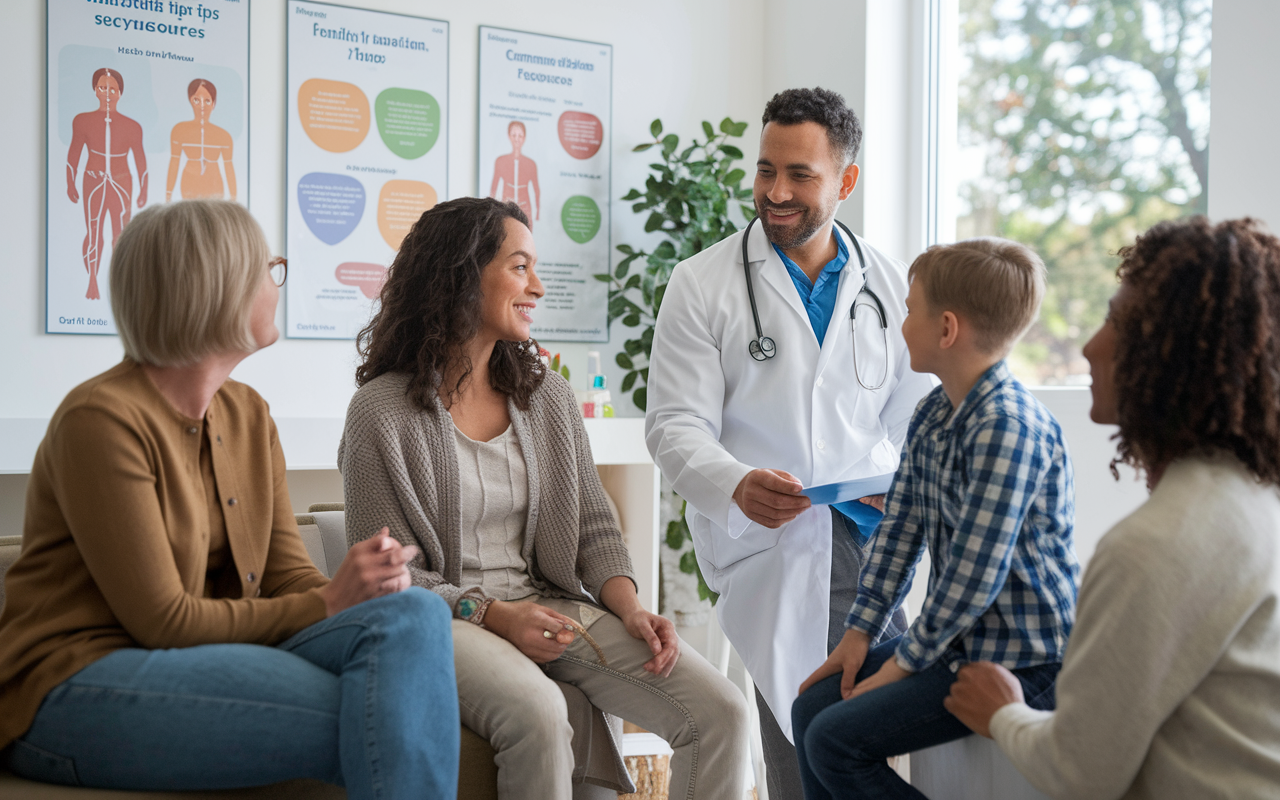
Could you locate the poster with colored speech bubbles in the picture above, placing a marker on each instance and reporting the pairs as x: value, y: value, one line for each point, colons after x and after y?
x: 367, y: 154
x: 148, y: 102
x: 545, y: 127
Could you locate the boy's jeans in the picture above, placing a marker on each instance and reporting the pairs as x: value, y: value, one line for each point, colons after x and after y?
x: 842, y: 745
x: 365, y: 698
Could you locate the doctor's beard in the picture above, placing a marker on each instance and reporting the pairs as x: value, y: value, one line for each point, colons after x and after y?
x: 801, y: 231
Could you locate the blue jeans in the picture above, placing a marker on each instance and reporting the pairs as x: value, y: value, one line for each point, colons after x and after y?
x: 365, y: 699
x: 842, y: 745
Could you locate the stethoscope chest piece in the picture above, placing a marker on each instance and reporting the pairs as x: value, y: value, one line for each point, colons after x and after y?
x: 762, y: 349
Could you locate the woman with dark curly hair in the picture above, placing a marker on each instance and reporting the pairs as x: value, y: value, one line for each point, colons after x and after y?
x: 1171, y: 684
x: 464, y: 445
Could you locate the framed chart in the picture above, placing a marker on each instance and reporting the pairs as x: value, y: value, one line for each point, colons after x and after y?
x: 147, y: 102
x: 545, y: 124
x: 368, y: 96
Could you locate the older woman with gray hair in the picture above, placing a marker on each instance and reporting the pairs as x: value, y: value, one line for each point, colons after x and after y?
x: 164, y: 627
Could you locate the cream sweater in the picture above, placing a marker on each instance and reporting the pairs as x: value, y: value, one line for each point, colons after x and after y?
x: 1170, y: 688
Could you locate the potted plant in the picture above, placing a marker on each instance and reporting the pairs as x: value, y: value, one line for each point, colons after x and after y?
x: 690, y: 197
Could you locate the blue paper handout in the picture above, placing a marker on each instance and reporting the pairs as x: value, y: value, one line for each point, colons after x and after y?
x: 844, y: 491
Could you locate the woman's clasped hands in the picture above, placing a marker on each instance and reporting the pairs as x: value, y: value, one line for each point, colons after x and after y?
x: 372, y: 568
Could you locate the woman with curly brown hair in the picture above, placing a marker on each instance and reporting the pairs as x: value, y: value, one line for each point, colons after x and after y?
x: 1171, y: 684
x: 463, y: 444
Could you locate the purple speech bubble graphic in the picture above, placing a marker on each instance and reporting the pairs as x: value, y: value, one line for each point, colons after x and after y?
x: 331, y: 205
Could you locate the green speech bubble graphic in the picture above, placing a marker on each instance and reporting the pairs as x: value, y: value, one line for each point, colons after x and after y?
x: 408, y: 121
x: 580, y: 218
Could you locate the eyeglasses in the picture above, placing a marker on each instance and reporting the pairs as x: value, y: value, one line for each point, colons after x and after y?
x: 279, y: 267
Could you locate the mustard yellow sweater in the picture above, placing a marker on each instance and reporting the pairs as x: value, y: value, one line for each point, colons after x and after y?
x: 115, y: 542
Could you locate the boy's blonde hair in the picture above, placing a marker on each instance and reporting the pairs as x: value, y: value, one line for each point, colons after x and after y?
x: 995, y: 284
x: 183, y: 279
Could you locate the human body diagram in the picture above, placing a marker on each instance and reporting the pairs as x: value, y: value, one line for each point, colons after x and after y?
x: 517, y: 176
x: 107, y: 187
x: 205, y: 145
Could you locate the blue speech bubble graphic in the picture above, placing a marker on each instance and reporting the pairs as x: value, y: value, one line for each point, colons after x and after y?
x: 331, y: 205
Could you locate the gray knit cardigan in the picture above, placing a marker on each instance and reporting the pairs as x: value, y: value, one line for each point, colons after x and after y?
x: 400, y: 469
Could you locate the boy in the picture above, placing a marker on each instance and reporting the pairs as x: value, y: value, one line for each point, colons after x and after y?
x: 985, y: 483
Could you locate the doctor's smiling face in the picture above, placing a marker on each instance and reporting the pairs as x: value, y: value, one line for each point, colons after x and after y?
x: 800, y: 180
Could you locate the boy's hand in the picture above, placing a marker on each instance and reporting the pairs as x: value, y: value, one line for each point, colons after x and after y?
x: 770, y: 497
x: 847, y: 658
x: 981, y: 689
x: 889, y: 673
x: 876, y: 501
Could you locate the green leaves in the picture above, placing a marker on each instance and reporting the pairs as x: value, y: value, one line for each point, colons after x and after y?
x: 688, y: 196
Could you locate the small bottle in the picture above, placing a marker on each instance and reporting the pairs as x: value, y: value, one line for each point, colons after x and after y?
x: 593, y: 405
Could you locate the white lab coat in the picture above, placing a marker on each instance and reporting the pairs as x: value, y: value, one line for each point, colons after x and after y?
x: 714, y: 414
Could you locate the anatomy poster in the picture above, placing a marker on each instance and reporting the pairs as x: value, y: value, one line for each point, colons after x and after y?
x: 148, y: 102
x: 545, y: 120
x: 367, y: 154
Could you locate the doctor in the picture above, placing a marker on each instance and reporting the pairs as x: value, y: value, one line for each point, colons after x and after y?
x: 743, y: 415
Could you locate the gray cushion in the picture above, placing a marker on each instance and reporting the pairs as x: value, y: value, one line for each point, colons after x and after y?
x: 311, y: 539
x: 333, y: 537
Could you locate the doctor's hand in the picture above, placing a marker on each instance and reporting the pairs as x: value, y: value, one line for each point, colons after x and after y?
x: 847, y: 658
x: 770, y: 497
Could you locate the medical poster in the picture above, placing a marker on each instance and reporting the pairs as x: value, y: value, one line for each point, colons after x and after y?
x: 545, y: 125
x: 148, y: 101
x: 368, y: 152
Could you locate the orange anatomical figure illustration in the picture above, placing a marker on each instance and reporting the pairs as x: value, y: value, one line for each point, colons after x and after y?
x: 205, y: 145
x: 517, y: 175
x: 107, y: 188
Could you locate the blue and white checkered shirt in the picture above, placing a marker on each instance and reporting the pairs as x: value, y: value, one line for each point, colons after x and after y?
x: 989, y: 489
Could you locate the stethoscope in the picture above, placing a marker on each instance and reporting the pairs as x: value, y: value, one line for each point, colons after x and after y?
x: 763, y: 348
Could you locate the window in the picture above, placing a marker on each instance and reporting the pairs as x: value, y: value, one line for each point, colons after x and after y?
x: 1078, y: 125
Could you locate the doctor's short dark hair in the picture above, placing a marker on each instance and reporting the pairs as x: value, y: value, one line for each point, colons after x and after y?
x: 1197, y: 360
x: 825, y: 107
x: 995, y: 285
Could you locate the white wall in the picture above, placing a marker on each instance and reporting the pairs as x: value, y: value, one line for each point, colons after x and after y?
x: 682, y: 61
x: 1244, y: 169
x: 672, y: 59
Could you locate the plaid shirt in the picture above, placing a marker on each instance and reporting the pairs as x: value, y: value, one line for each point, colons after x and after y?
x: 989, y: 489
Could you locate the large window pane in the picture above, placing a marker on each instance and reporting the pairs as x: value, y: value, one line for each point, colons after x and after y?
x: 1080, y: 124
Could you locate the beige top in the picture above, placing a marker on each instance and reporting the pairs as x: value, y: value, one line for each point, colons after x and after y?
x: 120, y: 521
x: 1170, y: 689
x: 494, y: 492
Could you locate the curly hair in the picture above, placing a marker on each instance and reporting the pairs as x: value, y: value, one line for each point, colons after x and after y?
x: 1197, y: 364
x: 825, y: 107
x: 430, y: 306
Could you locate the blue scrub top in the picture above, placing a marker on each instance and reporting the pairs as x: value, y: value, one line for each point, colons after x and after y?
x: 819, y: 301
x: 819, y: 298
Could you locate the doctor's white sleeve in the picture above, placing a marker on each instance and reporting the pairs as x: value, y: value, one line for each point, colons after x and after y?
x: 686, y: 402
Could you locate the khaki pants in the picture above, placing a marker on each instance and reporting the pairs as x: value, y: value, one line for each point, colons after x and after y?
x: 511, y: 701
